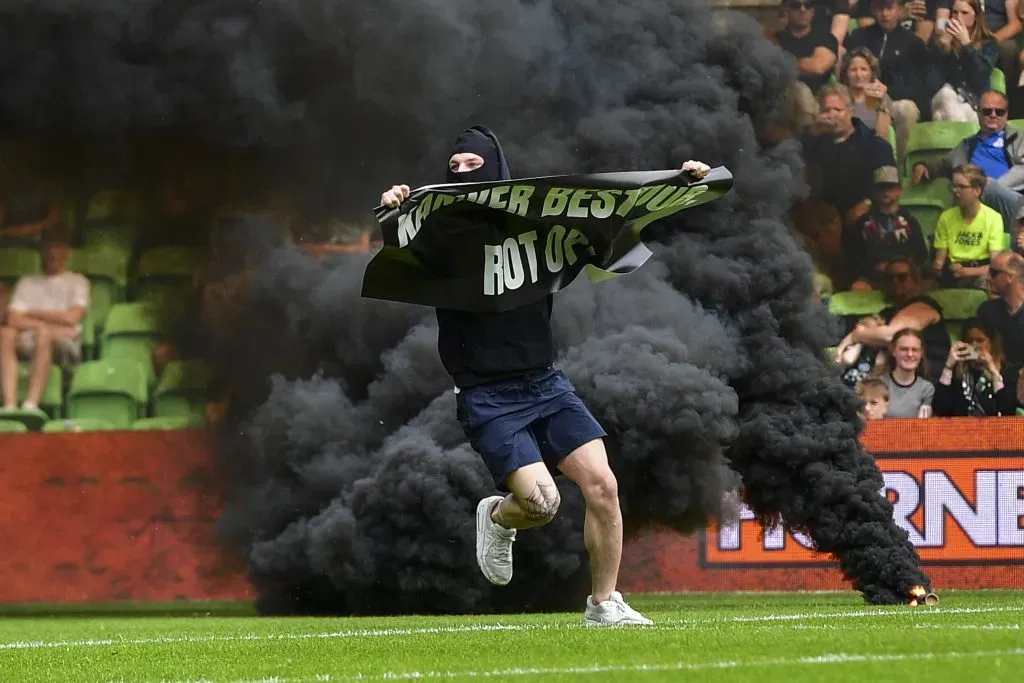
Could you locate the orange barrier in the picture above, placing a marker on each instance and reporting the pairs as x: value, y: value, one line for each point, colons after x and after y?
x: 106, y: 516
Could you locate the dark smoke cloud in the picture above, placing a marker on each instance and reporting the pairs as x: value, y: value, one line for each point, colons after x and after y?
x: 354, y: 485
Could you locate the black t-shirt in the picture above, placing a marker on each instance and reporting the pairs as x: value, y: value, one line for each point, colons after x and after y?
x: 846, y: 168
x: 995, y: 314
x: 477, y: 348
x: 935, y: 336
x: 804, y: 47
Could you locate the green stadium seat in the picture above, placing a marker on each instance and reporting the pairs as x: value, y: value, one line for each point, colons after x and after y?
x: 114, y: 390
x: 1007, y: 241
x: 12, y: 427
x: 931, y: 140
x: 132, y: 332
x: 32, y: 419
x: 926, y: 202
x: 106, y: 266
x: 997, y: 81
x: 18, y: 261
x: 112, y: 206
x: 166, y: 275
x: 83, y: 424
x: 120, y: 235
x: 53, y: 394
x: 183, y: 389
x: 180, y: 422
x: 957, y: 306
x: 856, y: 303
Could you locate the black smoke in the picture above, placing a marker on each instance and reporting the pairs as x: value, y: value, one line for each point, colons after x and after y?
x: 354, y: 487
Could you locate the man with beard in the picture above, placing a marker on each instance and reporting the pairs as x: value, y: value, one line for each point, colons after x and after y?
x: 523, y: 416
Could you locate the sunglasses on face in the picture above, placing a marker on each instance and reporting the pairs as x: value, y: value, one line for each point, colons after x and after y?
x: 993, y: 111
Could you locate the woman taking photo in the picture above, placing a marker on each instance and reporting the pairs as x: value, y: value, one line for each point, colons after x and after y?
x: 871, y: 103
x: 965, y: 55
x: 910, y: 394
x: 975, y: 381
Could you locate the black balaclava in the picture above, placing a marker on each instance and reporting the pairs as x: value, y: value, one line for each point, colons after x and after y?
x: 482, y: 142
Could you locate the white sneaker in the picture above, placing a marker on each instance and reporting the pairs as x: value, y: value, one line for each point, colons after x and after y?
x: 493, y: 544
x: 613, y: 612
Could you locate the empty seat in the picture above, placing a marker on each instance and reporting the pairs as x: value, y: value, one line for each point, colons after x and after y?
x: 957, y: 306
x: 182, y: 391
x: 132, y: 332
x: 856, y: 303
x: 931, y: 140
x: 18, y: 261
x: 997, y: 81
x: 179, y: 422
x: 926, y: 202
x: 114, y: 390
x: 166, y: 274
x: 83, y: 424
x: 53, y: 395
x: 106, y: 266
x: 12, y: 427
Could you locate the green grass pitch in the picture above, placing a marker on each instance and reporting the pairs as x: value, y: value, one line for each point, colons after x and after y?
x: 763, y: 638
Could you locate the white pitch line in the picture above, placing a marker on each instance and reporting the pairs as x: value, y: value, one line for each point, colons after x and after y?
x: 818, y: 660
x: 673, y: 624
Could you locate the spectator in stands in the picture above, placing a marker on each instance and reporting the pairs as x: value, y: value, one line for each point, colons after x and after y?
x: 1005, y: 314
x: 44, y: 323
x: 816, y: 50
x: 871, y: 103
x: 875, y: 394
x: 858, y: 360
x: 965, y: 55
x: 997, y: 149
x: 1003, y: 21
x: 909, y: 309
x: 975, y: 380
x: 1017, y: 236
x: 925, y: 15
x: 885, y: 233
x: 910, y: 394
x: 903, y: 61
x: 841, y: 161
x: 969, y: 234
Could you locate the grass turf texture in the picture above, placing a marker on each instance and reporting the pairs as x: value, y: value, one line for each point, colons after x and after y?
x: 970, y: 636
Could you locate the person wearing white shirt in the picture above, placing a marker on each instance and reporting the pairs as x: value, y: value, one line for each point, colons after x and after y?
x: 44, y: 323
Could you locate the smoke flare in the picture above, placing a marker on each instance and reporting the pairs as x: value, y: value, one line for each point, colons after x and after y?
x: 354, y: 487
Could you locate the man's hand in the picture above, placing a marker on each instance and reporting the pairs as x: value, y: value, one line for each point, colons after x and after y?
x: 920, y: 173
x: 696, y: 169
x: 395, y: 196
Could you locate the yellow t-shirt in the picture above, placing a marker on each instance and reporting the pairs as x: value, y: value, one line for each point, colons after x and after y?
x: 969, y: 242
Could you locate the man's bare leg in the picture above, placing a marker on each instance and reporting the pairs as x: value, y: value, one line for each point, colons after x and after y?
x: 534, y: 499
x: 9, y: 366
x: 42, y: 359
x: 602, y: 529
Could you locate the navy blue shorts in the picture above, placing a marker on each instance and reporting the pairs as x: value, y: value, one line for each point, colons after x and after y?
x: 517, y: 422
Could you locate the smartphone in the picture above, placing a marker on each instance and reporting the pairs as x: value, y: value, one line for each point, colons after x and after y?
x: 971, y: 353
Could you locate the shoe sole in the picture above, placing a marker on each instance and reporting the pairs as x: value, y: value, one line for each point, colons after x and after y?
x: 601, y: 624
x: 483, y: 511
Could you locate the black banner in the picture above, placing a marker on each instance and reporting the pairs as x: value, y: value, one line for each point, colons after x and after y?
x: 498, y: 245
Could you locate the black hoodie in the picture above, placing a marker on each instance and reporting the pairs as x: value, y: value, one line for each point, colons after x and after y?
x: 477, y: 348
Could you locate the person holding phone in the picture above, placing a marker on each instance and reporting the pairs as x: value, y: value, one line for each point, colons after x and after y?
x: 975, y: 380
x: 965, y: 54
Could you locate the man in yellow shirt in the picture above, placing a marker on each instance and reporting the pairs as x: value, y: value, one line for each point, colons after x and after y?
x: 969, y: 234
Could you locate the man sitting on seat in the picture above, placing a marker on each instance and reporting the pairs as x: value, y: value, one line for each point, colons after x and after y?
x: 997, y: 150
x: 44, y: 323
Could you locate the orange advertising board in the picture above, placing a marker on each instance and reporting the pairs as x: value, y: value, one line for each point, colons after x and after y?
x: 957, y: 508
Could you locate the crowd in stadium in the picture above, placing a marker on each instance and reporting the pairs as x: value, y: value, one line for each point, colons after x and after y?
x: 915, y: 219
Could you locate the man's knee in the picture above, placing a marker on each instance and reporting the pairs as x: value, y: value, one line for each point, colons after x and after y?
x: 602, y: 489
x: 541, y: 505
